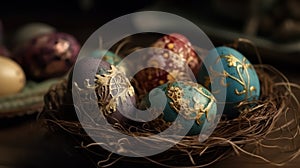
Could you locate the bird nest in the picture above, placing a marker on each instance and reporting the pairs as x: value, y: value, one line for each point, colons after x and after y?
x: 268, y: 125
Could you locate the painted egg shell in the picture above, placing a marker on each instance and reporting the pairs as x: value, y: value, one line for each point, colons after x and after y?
x: 113, y: 90
x: 180, y: 45
x: 149, y: 78
x: 191, y: 102
x: 165, y: 66
x: 48, y: 55
x: 30, y: 31
x: 172, y: 58
x: 12, y: 77
x: 239, y: 77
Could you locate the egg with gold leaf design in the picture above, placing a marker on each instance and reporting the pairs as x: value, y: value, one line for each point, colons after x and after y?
x: 193, y: 104
x: 97, y: 80
x: 238, y: 77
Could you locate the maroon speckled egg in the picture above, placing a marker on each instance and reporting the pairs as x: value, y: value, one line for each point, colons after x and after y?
x: 149, y: 78
x: 163, y: 65
x: 48, y: 55
x: 173, y: 58
x: 180, y: 45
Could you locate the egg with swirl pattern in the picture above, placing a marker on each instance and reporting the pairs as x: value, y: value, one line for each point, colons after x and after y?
x: 189, y: 102
x: 238, y: 77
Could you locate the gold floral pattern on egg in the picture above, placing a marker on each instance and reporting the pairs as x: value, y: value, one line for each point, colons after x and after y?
x: 113, y: 84
x: 229, y: 70
x: 183, y: 105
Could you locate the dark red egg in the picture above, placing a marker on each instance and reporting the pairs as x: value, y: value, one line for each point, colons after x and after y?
x: 171, y: 59
x: 149, y: 78
x: 180, y: 45
x: 48, y: 55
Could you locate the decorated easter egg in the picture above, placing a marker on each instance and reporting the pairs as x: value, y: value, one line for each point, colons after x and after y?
x: 238, y: 77
x: 12, y: 77
x: 180, y: 45
x: 48, y: 55
x: 149, y: 78
x: 113, y: 90
x: 172, y: 57
x: 189, y: 101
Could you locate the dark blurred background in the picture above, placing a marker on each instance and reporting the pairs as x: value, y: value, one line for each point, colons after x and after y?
x: 273, y: 25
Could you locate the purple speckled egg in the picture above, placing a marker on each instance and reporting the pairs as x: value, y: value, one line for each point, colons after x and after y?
x: 48, y: 55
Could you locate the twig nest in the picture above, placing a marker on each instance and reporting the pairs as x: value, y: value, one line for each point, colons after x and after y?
x: 238, y: 77
x: 260, y: 123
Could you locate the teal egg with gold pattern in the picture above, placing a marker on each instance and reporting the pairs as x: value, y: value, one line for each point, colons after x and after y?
x: 238, y: 76
x: 189, y: 102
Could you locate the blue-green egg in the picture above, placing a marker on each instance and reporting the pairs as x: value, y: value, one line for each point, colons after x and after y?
x: 191, y: 102
x: 112, y: 59
x: 238, y: 76
x: 108, y: 56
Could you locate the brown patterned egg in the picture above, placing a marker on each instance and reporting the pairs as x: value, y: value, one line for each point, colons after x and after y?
x: 48, y: 55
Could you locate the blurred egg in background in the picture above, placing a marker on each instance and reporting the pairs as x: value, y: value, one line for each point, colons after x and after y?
x: 30, y: 31
x: 12, y: 77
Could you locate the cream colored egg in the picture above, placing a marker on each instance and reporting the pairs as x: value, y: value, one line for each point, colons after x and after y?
x: 12, y: 77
